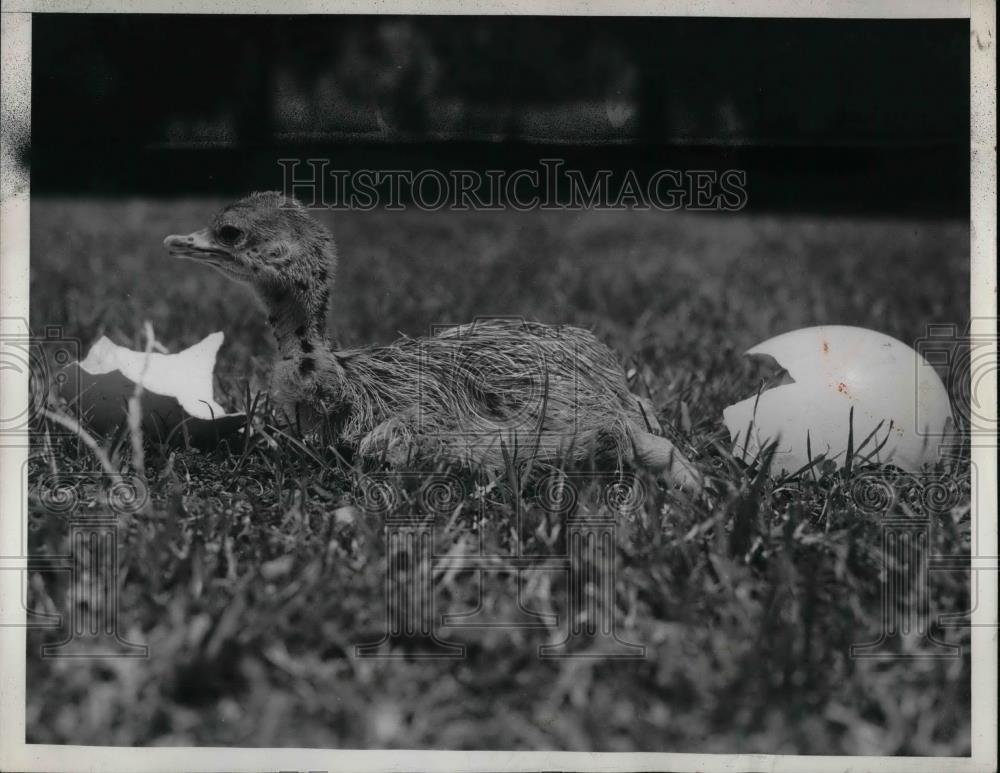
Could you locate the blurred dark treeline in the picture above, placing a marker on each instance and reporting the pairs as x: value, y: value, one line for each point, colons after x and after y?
x: 826, y: 111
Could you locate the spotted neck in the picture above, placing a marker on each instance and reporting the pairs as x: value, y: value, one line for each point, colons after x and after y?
x: 298, y: 324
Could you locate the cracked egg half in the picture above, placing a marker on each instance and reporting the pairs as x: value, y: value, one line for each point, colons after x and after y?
x: 901, y: 411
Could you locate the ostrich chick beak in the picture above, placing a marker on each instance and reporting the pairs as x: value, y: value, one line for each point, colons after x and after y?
x: 198, y: 246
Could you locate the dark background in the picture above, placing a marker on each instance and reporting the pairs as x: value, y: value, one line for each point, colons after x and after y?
x: 825, y: 115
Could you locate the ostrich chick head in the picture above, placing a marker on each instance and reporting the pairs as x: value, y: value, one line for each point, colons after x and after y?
x: 270, y: 242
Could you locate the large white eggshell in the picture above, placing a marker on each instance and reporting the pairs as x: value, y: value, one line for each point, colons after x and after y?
x: 177, y: 389
x: 836, y: 368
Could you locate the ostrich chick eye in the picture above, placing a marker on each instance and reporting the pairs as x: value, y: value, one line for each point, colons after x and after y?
x: 229, y: 234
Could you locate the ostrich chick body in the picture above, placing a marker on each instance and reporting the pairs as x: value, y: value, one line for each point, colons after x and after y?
x: 466, y: 395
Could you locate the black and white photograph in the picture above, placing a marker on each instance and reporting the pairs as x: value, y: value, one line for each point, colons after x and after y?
x: 465, y: 388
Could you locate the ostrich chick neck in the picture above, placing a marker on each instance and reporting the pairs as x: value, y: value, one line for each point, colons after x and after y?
x: 298, y: 320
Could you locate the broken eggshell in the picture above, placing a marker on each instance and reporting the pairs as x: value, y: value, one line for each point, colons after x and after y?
x: 177, y: 398
x: 900, y: 404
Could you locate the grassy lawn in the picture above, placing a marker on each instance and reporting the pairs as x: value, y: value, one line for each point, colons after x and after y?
x: 252, y: 576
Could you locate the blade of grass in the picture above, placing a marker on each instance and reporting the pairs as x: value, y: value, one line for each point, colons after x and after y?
x: 88, y: 440
x: 850, y: 445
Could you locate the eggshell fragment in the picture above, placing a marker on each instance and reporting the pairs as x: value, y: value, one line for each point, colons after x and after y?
x: 177, y: 390
x: 902, y: 413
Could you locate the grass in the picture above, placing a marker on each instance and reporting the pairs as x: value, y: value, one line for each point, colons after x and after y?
x: 251, y: 575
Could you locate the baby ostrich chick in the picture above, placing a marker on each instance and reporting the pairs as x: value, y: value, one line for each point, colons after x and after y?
x: 468, y: 395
